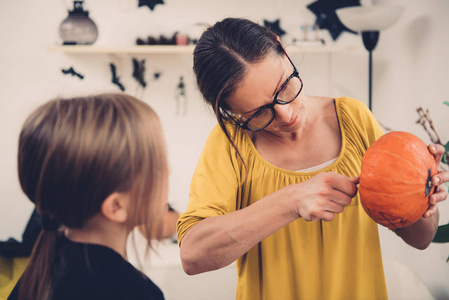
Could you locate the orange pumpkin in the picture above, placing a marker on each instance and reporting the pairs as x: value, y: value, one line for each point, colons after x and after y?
x: 395, y: 178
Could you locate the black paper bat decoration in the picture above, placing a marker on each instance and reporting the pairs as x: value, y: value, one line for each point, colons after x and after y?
x: 326, y: 17
x: 115, y: 78
x: 139, y: 71
x: 72, y: 72
x: 150, y: 3
x: 157, y: 75
x: 275, y: 27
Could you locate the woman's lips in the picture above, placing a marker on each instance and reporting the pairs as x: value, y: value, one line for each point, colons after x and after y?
x: 293, y: 122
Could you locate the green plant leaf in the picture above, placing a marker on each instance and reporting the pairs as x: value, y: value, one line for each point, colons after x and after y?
x: 446, y: 102
x: 442, y: 235
x: 445, y: 158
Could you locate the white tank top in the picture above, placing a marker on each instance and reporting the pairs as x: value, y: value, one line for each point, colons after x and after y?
x: 319, y: 167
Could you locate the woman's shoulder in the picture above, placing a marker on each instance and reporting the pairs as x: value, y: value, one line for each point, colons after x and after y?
x: 218, y: 133
x: 324, y: 102
x: 347, y: 109
x: 357, y: 119
x: 351, y: 105
x: 218, y: 141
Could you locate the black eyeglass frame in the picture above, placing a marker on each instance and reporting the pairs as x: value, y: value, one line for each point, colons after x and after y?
x: 272, y: 104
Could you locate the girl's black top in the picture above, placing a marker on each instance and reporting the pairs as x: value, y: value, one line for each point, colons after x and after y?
x: 87, y: 271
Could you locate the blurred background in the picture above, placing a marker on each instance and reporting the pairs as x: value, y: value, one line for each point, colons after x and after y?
x: 410, y: 70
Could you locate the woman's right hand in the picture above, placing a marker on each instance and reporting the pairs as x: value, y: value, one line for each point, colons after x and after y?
x: 217, y: 241
x: 323, y: 196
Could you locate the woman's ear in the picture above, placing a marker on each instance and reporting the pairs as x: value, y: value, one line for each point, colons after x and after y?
x: 115, y: 207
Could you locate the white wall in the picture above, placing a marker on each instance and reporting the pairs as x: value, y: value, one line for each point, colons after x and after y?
x: 410, y: 67
x: 411, y: 70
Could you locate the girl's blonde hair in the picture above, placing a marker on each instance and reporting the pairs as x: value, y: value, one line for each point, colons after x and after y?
x: 73, y: 153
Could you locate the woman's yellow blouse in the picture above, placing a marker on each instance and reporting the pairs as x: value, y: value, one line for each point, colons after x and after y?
x: 340, y: 259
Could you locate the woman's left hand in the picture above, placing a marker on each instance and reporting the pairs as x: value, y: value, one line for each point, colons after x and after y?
x: 438, y: 181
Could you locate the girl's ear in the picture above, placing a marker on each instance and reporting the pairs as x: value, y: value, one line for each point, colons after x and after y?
x: 115, y: 207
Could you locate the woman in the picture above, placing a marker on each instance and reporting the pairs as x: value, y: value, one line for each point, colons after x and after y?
x: 95, y: 167
x: 276, y: 185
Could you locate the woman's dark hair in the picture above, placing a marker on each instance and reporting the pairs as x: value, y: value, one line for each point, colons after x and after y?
x: 221, y: 57
x: 74, y: 153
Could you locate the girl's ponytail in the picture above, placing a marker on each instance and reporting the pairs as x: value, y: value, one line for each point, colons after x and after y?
x: 35, y: 282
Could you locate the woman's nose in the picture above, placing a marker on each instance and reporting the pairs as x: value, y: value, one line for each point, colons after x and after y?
x: 283, y: 112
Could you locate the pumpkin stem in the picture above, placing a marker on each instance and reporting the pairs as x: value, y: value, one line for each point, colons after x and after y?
x: 428, y: 183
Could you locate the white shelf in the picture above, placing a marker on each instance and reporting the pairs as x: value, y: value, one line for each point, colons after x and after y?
x: 311, y: 49
x: 159, y: 49
x: 170, y: 49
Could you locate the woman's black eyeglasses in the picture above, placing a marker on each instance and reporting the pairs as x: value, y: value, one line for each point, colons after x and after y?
x: 287, y: 93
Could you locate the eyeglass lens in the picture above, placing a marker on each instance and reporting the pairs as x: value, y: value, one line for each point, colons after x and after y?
x: 290, y: 90
x: 264, y: 117
x: 261, y: 119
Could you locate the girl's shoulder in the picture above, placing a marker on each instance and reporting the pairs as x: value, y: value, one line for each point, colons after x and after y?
x: 99, y: 271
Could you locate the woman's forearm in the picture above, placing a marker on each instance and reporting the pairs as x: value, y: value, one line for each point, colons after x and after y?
x: 421, y: 233
x: 218, y: 241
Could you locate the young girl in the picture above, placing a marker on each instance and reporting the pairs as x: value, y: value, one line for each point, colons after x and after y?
x: 95, y: 167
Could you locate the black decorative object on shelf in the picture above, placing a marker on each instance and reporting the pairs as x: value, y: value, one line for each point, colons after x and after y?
x: 150, y: 3
x: 139, y: 71
x: 326, y: 18
x: 275, y: 27
x: 161, y: 40
x: 181, y: 98
x: 78, y: 28
x: 115, y: 78
x: 71, y: 71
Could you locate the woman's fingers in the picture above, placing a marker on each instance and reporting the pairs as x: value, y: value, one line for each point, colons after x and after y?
x: 327, y: 216
x: 440, y: 194
x: 344, y: 184
x: 440, y: 178
x: 431, y: 210
x: 437, y: 151
x: 324, y: 195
